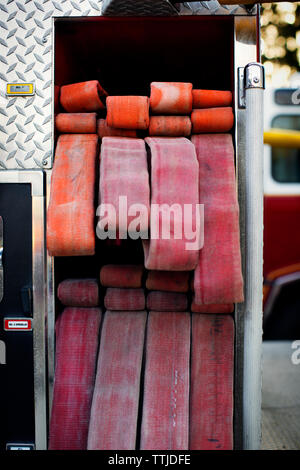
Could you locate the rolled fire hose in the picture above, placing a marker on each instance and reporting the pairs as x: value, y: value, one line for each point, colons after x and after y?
x: 165, y: 416
x: 212, y: 369
x: 211, y: 98
x: 170, y: 281
x: 103, y: 130
x: 128, y: 112
x: 76, y: 356
x: 160, y: 301
x: 171, y: 98
x: 78, y: 292
x: 124, y: 178
x: 212, y: 120
x: 121, y: 275
x: 218, y: 275
x: 83, y: 97
x: 166, y: 304
x: 76, y: 123
x: 174, y: 183
x: 114, y: 411
x: 70, y: 216
x: 171, y: 126
x: 212, y: 308
x: 124, y: 299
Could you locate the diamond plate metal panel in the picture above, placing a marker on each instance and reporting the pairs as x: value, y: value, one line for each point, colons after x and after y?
x: 26, y: 46
x: 138, y: 8
x: 26, y: 42
x: 213, y: 7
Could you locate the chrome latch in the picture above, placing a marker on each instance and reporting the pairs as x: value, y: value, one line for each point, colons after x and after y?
x: 254, y: 76
x: 251, y: 76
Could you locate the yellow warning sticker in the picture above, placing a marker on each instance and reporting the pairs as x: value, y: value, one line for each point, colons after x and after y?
x: 23, y: 89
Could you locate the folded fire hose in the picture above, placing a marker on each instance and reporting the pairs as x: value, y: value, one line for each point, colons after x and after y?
x: 211, y: 400
x: 128, y: 112
x: 165, y: 415
x: 170, y: 281
x: 212, y: 308
x: 124, y: 299
x: 212, y: 120
x: 218, y: 275
x: 174, y: 182
x: 83, y: 97
x: 124, y: 174
x: 112, y: 402
x: 104, y: 130
x: 211, y: 98
x: 76, y: 123
x: 160, y: 301
x: 114, y: 412
x: 76, y: 355
x: 118, y: 275
x: 171, y: 126
x: 171, y: 98
x: 78, y: 293
x: 71, y: 212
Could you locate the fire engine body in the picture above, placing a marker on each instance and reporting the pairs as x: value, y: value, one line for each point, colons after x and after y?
x: 281, y: 213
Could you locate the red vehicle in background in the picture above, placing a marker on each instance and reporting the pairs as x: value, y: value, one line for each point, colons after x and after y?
x: 282, y: 214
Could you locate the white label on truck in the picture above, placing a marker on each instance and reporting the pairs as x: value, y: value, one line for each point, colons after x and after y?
x: 17, y: 324
x: 19, y: 446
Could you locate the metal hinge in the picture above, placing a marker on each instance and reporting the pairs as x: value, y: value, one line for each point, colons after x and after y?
x: 241, y: 88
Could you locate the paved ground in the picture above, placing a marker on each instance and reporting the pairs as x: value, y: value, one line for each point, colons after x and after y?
x: 280, y: 397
